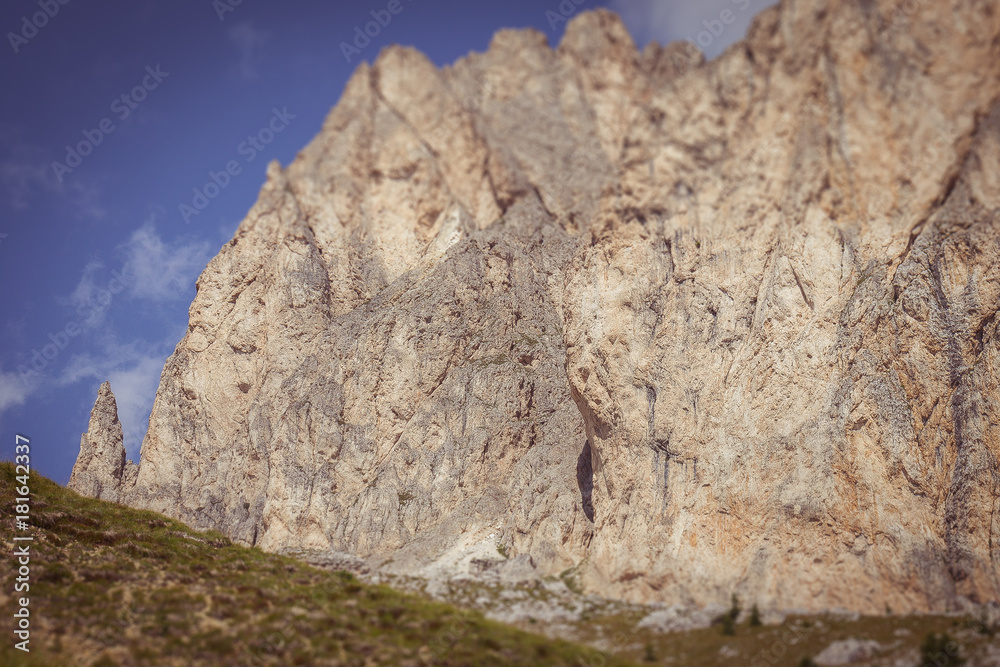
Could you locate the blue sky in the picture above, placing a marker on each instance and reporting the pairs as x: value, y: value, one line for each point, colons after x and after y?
x: 113, y: 113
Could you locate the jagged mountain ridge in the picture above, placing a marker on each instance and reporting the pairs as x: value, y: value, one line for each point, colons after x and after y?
x: 689, y: 327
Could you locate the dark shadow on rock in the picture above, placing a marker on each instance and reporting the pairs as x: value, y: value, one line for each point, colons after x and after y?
x: 585, y: 480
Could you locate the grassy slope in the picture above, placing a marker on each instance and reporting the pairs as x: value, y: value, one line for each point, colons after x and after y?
x: 611, y: 625
x: 111, y: 585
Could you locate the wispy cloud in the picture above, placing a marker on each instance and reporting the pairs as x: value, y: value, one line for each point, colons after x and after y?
x: 159, y: 270
x: 135, y: 390
x: 26, y: 172
x: 153, y: 270
x: 22, y: 175
x: 134, y: 373
x: 703, y: 23
x: 12, y: 391
x: 248, y: 42
x: 90, y: 298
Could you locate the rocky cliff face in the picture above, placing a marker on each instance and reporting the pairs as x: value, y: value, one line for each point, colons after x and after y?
x: 101, y: 470
x: 689, y: 327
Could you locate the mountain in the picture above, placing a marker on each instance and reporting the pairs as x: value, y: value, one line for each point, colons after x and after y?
x: 684, y: 328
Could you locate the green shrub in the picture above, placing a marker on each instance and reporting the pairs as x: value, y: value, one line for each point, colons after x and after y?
x: 734, y: 609
x: 650, y: 654
x: 404, y: 498
x: 940, y: 650
x: 728, y: 619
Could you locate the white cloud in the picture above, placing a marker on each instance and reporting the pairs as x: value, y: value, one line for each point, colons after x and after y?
x: 135, y: 389
x: 153, y: 269
x: 248, y: 41
x: 91, y: 298
x: 26, y: 171
x: 162, y: 271
x: 134, y: 373
x: 12, y: 391
x: 700, y: 22
x: 80, y: 367
x: 21, y: 177
x: 95, y: 293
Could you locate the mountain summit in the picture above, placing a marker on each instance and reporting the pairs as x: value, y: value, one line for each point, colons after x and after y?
x: 688, y: 327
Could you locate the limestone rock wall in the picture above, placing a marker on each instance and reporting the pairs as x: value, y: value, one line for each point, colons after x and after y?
x: 101, y: 470
x: 691, y: 327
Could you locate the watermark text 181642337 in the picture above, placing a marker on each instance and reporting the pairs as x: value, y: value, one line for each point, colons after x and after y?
x: 22, y: 542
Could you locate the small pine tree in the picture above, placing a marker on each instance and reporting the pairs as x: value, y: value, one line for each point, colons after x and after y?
x: 940, y: 650
x: 650, y: 655
x: 754, y: 615
x: 984, y: 625
x: 728, y: 619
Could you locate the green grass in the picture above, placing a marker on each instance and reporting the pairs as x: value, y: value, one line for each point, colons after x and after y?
x: 111, y: 585
x: 789, y: 644
x: 612, y: 625
x: 569, y: 577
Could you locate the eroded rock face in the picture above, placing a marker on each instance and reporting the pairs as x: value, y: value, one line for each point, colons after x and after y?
x: 101, y: 470
x: 693, y: 328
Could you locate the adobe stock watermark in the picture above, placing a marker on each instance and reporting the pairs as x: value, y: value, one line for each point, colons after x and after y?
x: 122, y: 106
x: 89, y: 313
x: 223, y: 7
x: 31, y: 26
x: 22, y: 551
x: 372, y: 29
x: 690, y: 54
x: 441, y: 132
x: 563, y: 12
x: 250, y: 148
x: 898, y: 17
x: 715, y: 27
x: 791, y: 635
